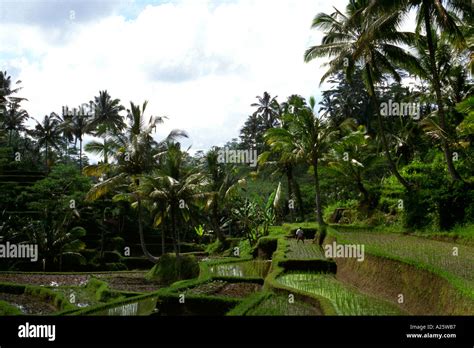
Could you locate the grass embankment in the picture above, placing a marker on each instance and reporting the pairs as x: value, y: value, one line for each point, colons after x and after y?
x: 431, y: 279
x: 44, y: 294
x: 170, y: 300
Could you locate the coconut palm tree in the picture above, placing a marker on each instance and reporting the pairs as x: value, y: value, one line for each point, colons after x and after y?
x: 267, y: 109
x: 135, y: 157
x: 80, y: 127
x: 98, y: 148
x: 308, y: 138
x: 282, y: 159
x: 223, y: 184
x: 48, y: 134
x: 433, y: 17
x: 67, y: 132
x: 6, y: 90
x: 107, y: 119
x: 368, y: 41
x: 14, y: 119
x: 174, y: 191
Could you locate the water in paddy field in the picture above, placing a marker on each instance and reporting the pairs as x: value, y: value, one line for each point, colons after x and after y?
x: 345, y: 299
x: 255, y: 268
x: 141, y: 307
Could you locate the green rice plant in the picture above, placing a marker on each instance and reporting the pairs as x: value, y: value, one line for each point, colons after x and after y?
x: 449, y: 258
x: 277, y: 305
x: 345, y: 299
x: 256, y: 268
x: 305, y: 250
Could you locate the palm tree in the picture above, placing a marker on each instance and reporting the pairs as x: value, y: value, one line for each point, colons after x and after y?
x: 66, y: 128
x: 223, y: 184
x: 174, y: 191
x: 353, y: 158
x: 433, y: 16
x: 48, y: 134
x: 13, y: 119
x: 80, y: 127
x: 6, y: 90
x: 369, y: 41
x: 281, y: 158
x: 267, y: 109
x: 98, y: 148
x: 308, y: 138
x: 135, y: 157
x: 107, y: 119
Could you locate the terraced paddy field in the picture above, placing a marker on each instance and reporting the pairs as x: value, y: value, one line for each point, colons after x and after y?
x: 254, y: 268
x: 345, y: 299
x: 28, y: 304
x: 353, y: 288
x: 277, y: 305
x: 223, y: 288
x: 306, y: 250
x: 450, y: 258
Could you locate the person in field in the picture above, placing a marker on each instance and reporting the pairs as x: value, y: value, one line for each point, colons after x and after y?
x: 299, y: 235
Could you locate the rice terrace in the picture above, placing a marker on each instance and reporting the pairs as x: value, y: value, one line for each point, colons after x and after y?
x: 354, y: 198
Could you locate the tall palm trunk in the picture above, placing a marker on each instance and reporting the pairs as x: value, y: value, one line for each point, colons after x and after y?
x: 376, y: 109
x: 289, y: 178
x: 80, y: 153
x: 319, y: 208
x: 173, y: 231
x: 147, y: 254
x: 46, y: 160
x: 215, y: 224
x: 299, y: 199
x: 106, y: 159
x: 163, y: 240
x: 295, y: 191
x: 439, y: 99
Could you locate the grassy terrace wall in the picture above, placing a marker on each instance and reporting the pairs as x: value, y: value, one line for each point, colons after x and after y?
x: 58, y: 300
x: 169, y: 298
x: 426, y: 290
x: 97, y: 288
x: 279, y: 261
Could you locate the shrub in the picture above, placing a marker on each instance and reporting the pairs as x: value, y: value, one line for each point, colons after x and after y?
x: 171, y: 268
x: 265, y: 247
x: 8, y: 309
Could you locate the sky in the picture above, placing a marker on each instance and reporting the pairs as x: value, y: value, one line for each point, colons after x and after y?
x: 201, y: 63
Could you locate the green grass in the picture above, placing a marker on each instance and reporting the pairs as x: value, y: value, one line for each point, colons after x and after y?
x: 345, y: 299
x: 8, y: 309
x: 82, y: 296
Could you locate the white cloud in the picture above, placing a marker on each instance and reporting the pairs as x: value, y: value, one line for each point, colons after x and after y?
x: 200, y: 62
